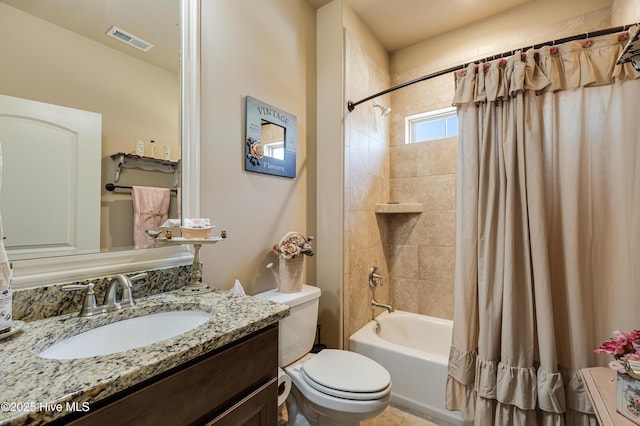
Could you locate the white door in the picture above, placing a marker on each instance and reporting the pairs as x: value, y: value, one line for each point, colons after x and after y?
x: 50, y: 194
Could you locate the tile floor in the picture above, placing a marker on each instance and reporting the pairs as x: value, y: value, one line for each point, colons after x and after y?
x: 396, y: 415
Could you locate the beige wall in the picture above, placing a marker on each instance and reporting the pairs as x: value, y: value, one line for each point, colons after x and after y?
x: 625, y: 12
x: 46, y: 63
x: 531, y: 23
x: 265, y: 50
x: 330, y: 176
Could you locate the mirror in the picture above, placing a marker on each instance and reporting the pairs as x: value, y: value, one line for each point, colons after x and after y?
x: 64, y: 56
x: 40, y: 272
x: 270, y: 139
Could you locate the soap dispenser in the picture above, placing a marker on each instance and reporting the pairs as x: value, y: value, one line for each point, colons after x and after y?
x: 152, y: 149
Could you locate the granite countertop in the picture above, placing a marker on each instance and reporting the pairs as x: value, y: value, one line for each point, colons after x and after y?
x: 39, y: 390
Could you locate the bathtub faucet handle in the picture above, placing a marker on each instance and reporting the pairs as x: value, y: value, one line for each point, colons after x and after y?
x: 374, y: 277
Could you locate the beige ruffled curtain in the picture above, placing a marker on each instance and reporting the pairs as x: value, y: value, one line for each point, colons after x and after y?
x: 548, y: 229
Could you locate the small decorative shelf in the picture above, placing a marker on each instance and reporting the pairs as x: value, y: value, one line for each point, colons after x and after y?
x: 195, y: 286
x: 390, y: 208
x: 133, y: 161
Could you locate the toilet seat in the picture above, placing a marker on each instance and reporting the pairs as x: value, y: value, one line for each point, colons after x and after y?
x: 346, y: 375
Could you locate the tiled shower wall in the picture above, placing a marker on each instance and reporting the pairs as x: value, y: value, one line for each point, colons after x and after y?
x: 421, y: 247
x: 415, y: 252
x: 366, y: 172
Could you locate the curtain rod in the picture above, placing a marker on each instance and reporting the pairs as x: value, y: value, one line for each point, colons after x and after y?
x: 351, y: 105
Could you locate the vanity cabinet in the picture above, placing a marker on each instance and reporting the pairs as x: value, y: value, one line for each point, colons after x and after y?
x: 234, y: 385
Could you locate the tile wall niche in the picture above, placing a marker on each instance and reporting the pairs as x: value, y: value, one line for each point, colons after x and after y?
x: 366, y: 173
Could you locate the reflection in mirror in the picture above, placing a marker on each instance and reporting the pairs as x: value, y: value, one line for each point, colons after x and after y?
x: 272, y: 137
x: 62, y: 57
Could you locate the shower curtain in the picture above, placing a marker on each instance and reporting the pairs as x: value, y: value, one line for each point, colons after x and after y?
x: 548, y: 229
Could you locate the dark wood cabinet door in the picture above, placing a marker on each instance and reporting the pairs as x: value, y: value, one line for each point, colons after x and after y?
x: 202, y: 390
x: 260, y: 408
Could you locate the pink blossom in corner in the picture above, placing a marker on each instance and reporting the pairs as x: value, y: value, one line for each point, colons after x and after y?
x: 624, y: 346
x: 617, y: 365
x: 632, y: 357
x: 636, y: 401
x: 614, y: 347
x: 630, y: 335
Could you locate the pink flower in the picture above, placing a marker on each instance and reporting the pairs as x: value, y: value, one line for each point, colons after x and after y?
x: 292, y: 245
x: 633, y: 357
x: 631, y: 335
x: 613, y: 347
x: 256, y: 150
x: 625, y: 345
x: 636, y: 401
x: 289, y: 250
x: 617, y: 365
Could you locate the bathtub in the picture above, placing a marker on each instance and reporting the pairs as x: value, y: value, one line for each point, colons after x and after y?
x: 414, y: 349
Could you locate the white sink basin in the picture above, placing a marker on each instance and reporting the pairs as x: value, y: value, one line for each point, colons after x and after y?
x: 127, y: 334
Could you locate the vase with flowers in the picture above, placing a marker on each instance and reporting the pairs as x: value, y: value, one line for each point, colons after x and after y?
x: 291, y: 250
x: 624, y: 346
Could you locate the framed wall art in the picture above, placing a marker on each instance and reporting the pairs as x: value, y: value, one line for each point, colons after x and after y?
x: 270, y: 139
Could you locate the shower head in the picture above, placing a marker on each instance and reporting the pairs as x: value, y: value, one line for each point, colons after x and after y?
x: 383, y: 109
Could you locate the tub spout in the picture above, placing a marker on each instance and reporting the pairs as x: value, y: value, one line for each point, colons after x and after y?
x: 382, y: 305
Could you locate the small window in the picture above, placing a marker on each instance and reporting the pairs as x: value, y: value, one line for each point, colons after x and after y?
x: 428, y: 126
x: 274, y: 150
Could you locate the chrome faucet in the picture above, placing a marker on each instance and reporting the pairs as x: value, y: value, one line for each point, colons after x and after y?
x: 382, y: 305
x: 374, y: 279
x: 111, y: 302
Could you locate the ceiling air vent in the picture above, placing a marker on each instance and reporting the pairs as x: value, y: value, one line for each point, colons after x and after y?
x: 130, y: 39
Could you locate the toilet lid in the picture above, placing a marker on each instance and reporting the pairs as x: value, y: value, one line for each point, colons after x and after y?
x: 346, y: 375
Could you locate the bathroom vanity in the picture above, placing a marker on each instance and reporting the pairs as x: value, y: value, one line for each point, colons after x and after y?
x: 222, y: 372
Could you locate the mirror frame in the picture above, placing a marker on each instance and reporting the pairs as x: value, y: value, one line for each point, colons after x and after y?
x: 257, y: 112
x: 39, y: 272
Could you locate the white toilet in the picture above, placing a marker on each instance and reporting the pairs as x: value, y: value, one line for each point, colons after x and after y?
x: 333, y: 387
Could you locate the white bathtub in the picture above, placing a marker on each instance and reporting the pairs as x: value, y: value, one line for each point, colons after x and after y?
x: 414, y: 349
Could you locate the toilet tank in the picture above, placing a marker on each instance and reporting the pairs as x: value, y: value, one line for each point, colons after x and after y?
x: 297, y: 332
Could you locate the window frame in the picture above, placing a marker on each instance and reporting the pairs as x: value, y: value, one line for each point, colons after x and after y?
x: 410, y: 122
x: 270, y: 147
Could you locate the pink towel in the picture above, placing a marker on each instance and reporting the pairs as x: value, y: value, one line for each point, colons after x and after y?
x: 178, y: 203
x: 150, y: 210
